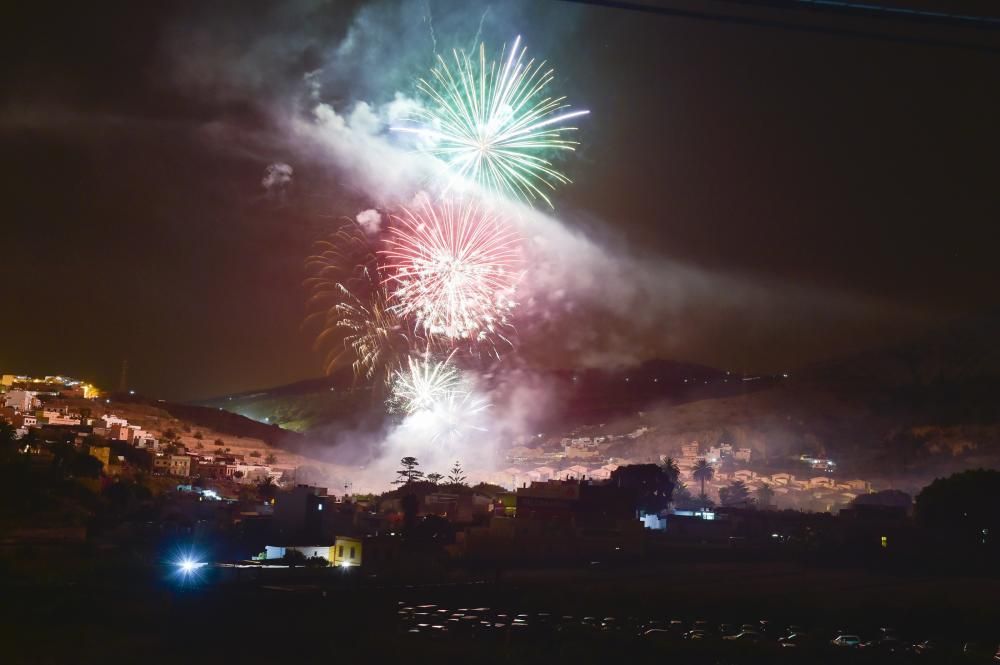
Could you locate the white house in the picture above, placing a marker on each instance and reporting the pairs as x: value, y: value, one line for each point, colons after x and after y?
x: 112, y: 420
x: 21, y: 400
x: 782, y: 478
x: 252, y: 473
x: 58, y: 418
x: 690, y: 449
x: 308, y: 551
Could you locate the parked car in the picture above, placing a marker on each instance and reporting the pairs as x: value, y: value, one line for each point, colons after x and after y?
x: 793, y: 640
x: 887, y: 643
x: 848, y: 641
x: 977, y: 652
x: 656, y: 635
x: 746, y: 637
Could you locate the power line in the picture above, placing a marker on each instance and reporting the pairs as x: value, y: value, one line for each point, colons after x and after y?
x: 732, y: 19
x: 868, y: 9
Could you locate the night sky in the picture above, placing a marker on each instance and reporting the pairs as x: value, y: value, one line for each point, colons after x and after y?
x: 859, y: 174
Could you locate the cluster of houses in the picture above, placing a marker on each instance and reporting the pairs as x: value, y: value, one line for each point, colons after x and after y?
x: 21, y: 401
x: 821, y: 492
x: 515, y: 476
x: 562, y: 458
x: 580, y: 457
x: 34, y: 403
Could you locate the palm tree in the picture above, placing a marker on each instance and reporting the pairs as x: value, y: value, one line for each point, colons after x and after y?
x: 671, y: 469
x: 266, y: 489
x: 765, y: 495
x: 702, y: 472
x: 737, y: 494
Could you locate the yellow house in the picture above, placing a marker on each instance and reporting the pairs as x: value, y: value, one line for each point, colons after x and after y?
x: 346, y: 552
x: 102, y: 453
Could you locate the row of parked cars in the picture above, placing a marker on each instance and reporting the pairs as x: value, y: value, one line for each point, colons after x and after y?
x: 435, y: 621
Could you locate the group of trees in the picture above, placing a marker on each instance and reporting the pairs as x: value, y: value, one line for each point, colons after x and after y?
x: 964, y: 505
x: 736, y: 495
x: 295, y: 558
x: 651, y: 485
x: 409, y: 473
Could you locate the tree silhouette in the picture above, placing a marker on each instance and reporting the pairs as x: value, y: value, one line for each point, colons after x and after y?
x: 737, y: 494
x: 966, y: 504
x: 671, y: 469
x: 293, y: 558
x: 890, y: 498
x: 434, y: 477
x: 765, y: 496
x: 456, y: 475
x: 702, y: 472
x: 682, y: 497
x: 409, y: 473
x: 267, y: 489
x: 8, y: 441
x: 650, y: 483
x: 410, y: 505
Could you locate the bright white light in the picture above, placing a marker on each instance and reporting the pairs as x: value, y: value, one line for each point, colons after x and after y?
x: 345, y: 564
x: 188, y: 565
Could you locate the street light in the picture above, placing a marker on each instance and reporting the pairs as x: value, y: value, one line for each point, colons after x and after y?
x: 188, y: 567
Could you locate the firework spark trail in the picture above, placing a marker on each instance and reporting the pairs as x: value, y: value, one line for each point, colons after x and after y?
x: 358, y: 324
x: 494, y: 126
x: 453, y: 268
x: 429, y: 19
x: 479, y: 30
x: 423, y: 384
x: 457, y: 415
x: 438, y: 401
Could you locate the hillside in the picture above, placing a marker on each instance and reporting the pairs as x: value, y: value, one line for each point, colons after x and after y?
x: 300, y: 406
x: 916, y: 410
x: 201, y: 428
x: 315, y: 404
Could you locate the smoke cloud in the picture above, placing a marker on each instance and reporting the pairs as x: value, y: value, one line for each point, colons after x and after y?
x: 370, y: 221
x: 276, y: 176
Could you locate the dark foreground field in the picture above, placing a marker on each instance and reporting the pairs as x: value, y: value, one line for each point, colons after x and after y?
x: 514, y: 616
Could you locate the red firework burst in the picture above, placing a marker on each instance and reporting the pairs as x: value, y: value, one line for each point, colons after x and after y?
x: 453, y: 267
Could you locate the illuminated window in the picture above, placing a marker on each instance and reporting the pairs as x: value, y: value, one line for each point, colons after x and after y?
x: 885, y: 541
